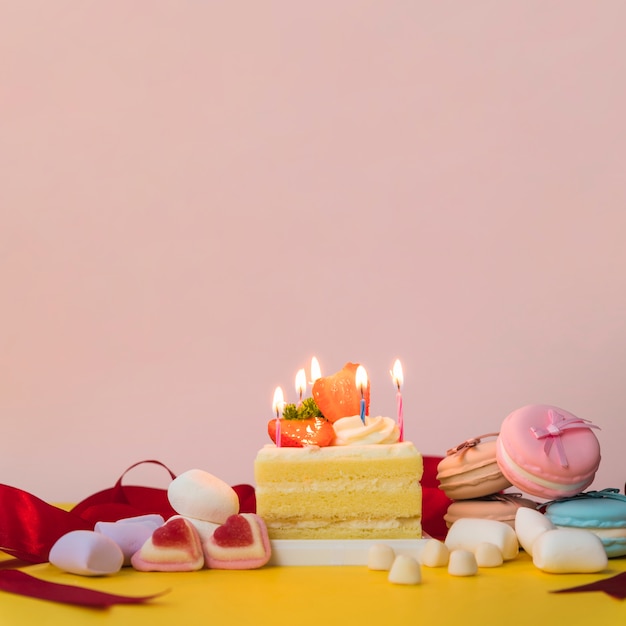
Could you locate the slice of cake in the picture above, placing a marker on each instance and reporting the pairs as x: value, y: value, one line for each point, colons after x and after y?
x: 340, y: 492
x: 364, y: 485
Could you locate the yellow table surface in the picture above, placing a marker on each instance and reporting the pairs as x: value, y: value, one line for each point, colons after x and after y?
x: 515, y: 593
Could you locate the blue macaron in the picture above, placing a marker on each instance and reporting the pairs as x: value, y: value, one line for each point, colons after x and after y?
x: 601, y: 512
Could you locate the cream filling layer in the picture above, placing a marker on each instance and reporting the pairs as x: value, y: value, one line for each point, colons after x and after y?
x: 604, y: 533
x: 349, y: 524
x: 537, y: 479
x: 389, y: 486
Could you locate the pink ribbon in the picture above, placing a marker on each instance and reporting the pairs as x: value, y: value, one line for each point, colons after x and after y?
x: 557, y: 426
x: 469, y: 443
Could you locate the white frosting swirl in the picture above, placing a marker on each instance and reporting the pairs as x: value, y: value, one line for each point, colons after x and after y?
x: 351, y: 431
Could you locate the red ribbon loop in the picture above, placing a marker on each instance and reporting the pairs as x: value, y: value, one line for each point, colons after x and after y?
x: 122, y: 501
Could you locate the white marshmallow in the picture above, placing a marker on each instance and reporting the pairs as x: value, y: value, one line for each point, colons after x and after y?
x: 380, y: 556
x: 488, y: 555
x: 462, y: 563
x: 529, y: 524
x: 569, y: 551
x: 130, y: 533
x: 87, y: 553
x: 405, y: 571
x: 154, y: 519
x: 434, y: 554
x: 466, y: 533
x: 201, y: 495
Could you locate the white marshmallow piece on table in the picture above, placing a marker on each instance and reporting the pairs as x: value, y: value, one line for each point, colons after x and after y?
x: 488, y: 555
x: 529, y: 524
x: 462, y: 563
x: 569, y: 551
x: 466, y: 533
x: 130, y: 533
x: 435, y: 553
x: 380, y: 556
x: 87, y: 553
x: 198, y: 494
x: 405, y: 571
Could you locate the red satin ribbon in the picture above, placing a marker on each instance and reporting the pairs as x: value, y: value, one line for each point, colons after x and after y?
x: 615, y: 586
x: 29, y: 527
x: 24, y: 584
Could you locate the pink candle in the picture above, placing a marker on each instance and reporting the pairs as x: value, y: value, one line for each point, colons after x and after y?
x: 400, y: 414
x: 277, y: 406
x: 398, y: 379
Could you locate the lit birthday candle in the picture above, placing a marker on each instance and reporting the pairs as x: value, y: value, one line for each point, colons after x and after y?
x: 398, y: 380
x: 277, y: 407
x: 361, y: 385
x: 316, y: 372
x: 300, y: 384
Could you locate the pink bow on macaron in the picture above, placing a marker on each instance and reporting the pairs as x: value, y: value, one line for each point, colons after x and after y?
x: 552, y: 433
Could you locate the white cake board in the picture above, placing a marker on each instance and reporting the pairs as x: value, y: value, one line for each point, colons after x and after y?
x: 336, y: 551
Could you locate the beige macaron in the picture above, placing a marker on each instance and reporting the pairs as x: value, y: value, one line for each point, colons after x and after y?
x: 500, y: 507
x: 470, y: 470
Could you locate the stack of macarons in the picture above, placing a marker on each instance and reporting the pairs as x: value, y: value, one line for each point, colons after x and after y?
x: 545, y: 452
x: 470, y: 476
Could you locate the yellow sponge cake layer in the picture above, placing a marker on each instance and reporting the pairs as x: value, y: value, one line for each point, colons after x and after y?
x: 340, y: 492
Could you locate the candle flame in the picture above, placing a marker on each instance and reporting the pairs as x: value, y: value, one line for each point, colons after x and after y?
x: 316, y: 372
x: 396, y: 374
x: 300, y: 382
x: 279, y: 401
x: 361, y: 379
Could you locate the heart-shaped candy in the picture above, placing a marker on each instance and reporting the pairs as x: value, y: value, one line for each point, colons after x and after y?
x: 173, y: 547
x: 241, y: 542
x: 234, y: 532
x: 176, y: 533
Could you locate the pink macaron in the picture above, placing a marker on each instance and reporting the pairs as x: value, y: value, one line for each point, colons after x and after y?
x: 547, y: 452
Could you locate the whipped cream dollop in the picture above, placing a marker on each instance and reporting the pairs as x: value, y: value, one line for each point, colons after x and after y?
x: 351, y: 431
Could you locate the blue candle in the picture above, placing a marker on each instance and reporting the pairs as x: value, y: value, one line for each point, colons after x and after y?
x: 361, y: 385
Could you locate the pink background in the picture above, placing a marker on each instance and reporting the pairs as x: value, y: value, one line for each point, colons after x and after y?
x: 197, y: 197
